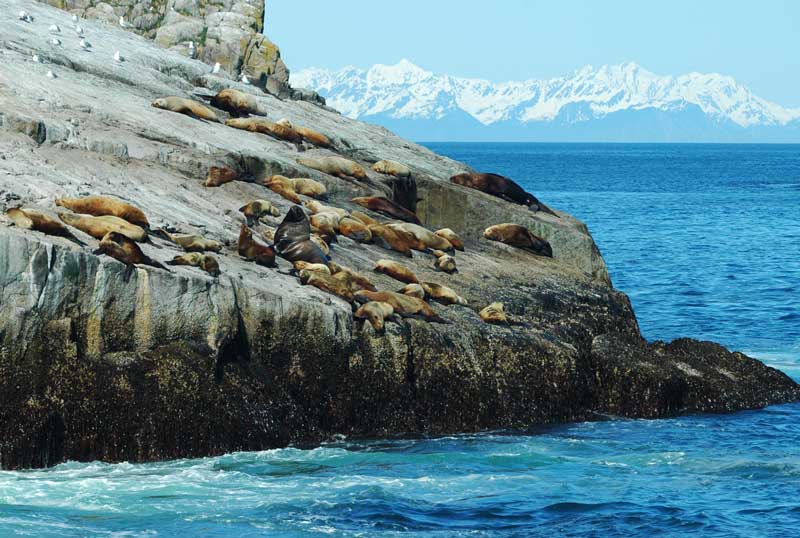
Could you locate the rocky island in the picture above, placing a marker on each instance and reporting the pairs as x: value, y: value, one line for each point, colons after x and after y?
x: 99, y: 360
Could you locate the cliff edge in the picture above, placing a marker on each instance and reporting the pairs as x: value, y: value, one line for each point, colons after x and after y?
x: 98, y: 361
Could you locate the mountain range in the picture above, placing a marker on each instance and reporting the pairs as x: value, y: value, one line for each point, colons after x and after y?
x: 612, y: 103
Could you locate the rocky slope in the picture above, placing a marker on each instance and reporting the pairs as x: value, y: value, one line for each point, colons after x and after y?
x: 99, y: 362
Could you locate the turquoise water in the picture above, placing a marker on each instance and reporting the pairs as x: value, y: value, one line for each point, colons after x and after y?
x: 705, y: 239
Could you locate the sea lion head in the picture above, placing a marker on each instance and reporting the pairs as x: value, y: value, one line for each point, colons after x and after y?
x: 160, y: 103
x: 295, y: 214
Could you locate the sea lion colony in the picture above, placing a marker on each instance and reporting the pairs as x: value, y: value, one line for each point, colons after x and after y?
x: 306, y: 231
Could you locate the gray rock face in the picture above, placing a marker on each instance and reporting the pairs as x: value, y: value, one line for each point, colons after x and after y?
x: 98, y: 361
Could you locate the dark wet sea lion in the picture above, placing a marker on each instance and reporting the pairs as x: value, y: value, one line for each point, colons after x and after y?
x: 502, y: 187
x: 293, y: 239
x: 383, y: 205
x: 520, y: 237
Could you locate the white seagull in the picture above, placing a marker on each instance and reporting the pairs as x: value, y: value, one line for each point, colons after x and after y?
x: 55, y: 42
x: 50, y: 74
x: 79, y: 30
x: 85, y: 45
x: 54, y: 29
x: 216, y: 69
x: 117, y: 57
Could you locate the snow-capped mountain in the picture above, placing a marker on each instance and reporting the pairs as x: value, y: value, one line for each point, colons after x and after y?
x: 616, y: 103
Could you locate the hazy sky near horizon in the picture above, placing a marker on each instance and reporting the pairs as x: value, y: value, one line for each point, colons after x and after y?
x: 756, y: 42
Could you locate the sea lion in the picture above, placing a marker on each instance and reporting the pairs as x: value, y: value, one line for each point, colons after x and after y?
x: 327, y: 283
x: 363, y: 217
x: 190, y: 242
x: 285, y: 122
x: 327, y: 223
x: 105, y: 205
x: 376, y: 312
x: 98, y: 227
x: 264, y: 126
x: 391, y: 168
x: 357, y: 280
x: 284, y: 187
x: 520, y: 237
x: 390, y: 239
x: 30, y: 219
x: 309, y: 135
x: 317, y: 207
x: 124, y: 249
x: 383, y: 205
x: 256, y: 209
x: 308, y: 187
x: 355, y: 230
x: 236, y: 103
x: 423, y: 235
x: 335, y: 166
x: 206, y: 262
x: 187, y: 107
x: 442, y: 294
x: 220, y: 175
x: 397, y: 271
x: 320, y: 242
x: 502, y: 187
x: 320, y: 267
x: 445, y: 263
x: 452, y: 237
x: 404, y: 305
x: 293, y: 239
x: 413, y: 290
x: 494, y: 314
x: 252, y: 249
x: 404, y: 193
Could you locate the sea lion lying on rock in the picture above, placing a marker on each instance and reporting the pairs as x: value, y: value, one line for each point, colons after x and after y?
x: 520, y: 237
x: 252, y: 249
x: 284, y: 187
x: 301, y: 265
x: 309, y: 135
x: 363, y: 217
x: 413, y: 290
x: 423, y: 235
x: 318, y: 207
x: 257, y: 209
x: 264, y: 126
x: 99, y: 206
x: 357, y: 281
x: 502, y: 187
x: 444, y: 262
x: 442, y: 294
x: 404, y: 305
x: 308, y: 187
x: 30, y: 219
x: 236, y: 103
x: 187, y: 107
x: 293, y: 239
x: 390, y: 239
x: 327, y: 283
x: 355, y: 230
x: 392, y: 168
x: 220, y: 175
x: 396, y: 270
x: 125, y: 250
x: 452, y: 237
x: 98, y: 227
x: 494, y: 313
x: 383, y: 205
x: 191, y: 242
x: 376, y: 312
x: 206, y: 262
x: 326, y: 223
x: 334, y: 166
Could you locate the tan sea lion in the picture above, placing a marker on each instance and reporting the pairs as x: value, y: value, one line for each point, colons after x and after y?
x: 293, y: 239
x: 390, y: 239
x: 442, y: 294
x: 502, y: 187
x: 252, y: 249
x: 236, y: 103
x: 494, y: 314
x: 206, y: 262
x: 357, y: 280
x: 404, y: 305
x: 98, y: 227
x: 396, y: 270
x: 320, y: 242
x: 318, y: 207
x: 445, y: 263
x: 327, y: 223
x: 309, y: 187
x: 257, y: 209
x: 99, y: 206
x: 452, y: 237
x: 125, y: 250
x: 219, y: 175
x: 327, y: 283
x: 363, y: 217
x: 423, y: 235
x: 190, y: 242
x: 284, y: 187
x: 520, y: 237
x: 383, y: 205
x: 310, y: 135
x: 376, y: 313
x: 355, y: 230
x: 264, y: 126
x: 30, y: 219
x: 392, y: 168
x: 187, y: 107
x: 320, y: 267
x: 413, y: 290
x: 335, y: 166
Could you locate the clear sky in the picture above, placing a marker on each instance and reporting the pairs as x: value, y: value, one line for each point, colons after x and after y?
x: 757, y: 42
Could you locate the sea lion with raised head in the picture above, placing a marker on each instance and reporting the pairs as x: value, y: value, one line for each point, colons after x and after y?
x: 100, y: 206
x: 206, y: 262
x: 520, y: 237
x: 452, y: 237
x: 264, y: 126
x: 236, y: 103
x: 442, y: 294
x: 334, y: 166
x: 30, y: 219
x: 391, y: 168
x: 125, y: 250
x: 254, y: 250
x: 376, y: 312
x: 404, y: 305
x: 327, y: 283
x: 293, y: 239
x: 383, y: 205
x: 220, y: 175
x: 396, y: 270
x: 502, y: 187
x: 256, y: 209
x: 187, y: 107
x: 98, y: 227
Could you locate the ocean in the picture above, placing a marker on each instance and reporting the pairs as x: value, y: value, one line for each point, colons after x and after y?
x: 706, y: 241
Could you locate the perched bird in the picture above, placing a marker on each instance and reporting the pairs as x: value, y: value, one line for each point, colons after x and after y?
x: 74, y: 18
x: 117, y: 57
x: 50, y: 74
x: 122, y: 22
x: 216, y: 69
x: 54, y: 41
x: 35, y: 58
x: 192, y: 50
x: 54, y: 29
x: 79, y: 30
x: 23, y: 16
x: 85, y: 45
x: 244, y: 79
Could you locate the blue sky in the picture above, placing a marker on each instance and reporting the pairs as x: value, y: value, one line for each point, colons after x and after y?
x: 756, y: 42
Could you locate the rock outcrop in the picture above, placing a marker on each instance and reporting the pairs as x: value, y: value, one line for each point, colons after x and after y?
x: 98, y: 361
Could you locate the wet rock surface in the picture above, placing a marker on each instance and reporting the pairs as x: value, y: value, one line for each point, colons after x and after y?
x: 99, y: 361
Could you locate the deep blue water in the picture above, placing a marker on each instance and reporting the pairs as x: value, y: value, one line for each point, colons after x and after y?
x: 705, y: 240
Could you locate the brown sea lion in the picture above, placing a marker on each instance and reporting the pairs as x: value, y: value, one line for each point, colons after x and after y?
x: 376, y: 313
x: 220, y: 175
x: 404, y: 305
x: 404, y: 192
x: 452, y: 237
x: 390, y: 239
x: 236, y: 103
x: 413, y: 290
x: 264, y: 126
x: 98, y: 227
x: 252, y: 249
x: 308, y: 187
x: 326, y: 223
x: 502, y: 187
x: 190, y: 242
x: 442, y: 294
x: 257, y: 209
x: 293, y: 239
x: 494, y: 314
x: 396, y: 270
x: 445, y: 263
x: 124, y: 249
x: 187, y: 107
x: 355, y: 230
x: 105, y: 205
x: 423, y: 235
x: 327, y: 283
x: 206, y: 262
x: 284, y: 187
x: 321, y: 267
x: 357, y: 280
x: 363, y: 217
x: 520, y: 237
x: 30, y: 219
x: 318, y: 207
x: 309, y: 135
x: 335, y: 166
x: 391, y: 168
x: 383, y: 205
